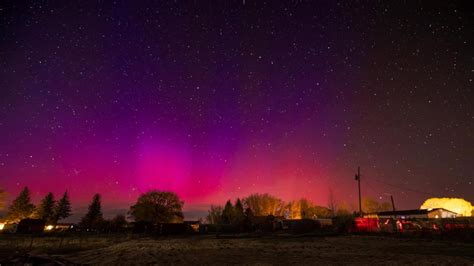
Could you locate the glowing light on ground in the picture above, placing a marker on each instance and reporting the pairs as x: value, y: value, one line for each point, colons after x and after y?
x: 49, y: 227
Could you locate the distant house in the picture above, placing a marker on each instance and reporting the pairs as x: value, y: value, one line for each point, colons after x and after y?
x: 267, y: 223
x: 301, y: 226
x: 171, y: 229
x: 420, y: 214
x: 62, y: 227
x: 143, y: 227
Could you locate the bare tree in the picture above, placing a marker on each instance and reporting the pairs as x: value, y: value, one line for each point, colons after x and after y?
x: 264, y: 204
x: 214, y: 215
x: 304, y: 208
x: 370, y: 205
x: 332, y: 203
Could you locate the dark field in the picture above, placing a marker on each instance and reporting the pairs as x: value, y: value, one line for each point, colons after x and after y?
x: 123, y: 250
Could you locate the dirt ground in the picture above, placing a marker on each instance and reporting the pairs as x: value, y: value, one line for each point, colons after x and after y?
x: 340, y: 250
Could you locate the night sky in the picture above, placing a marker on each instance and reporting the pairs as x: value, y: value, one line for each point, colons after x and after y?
x: 220, y: 99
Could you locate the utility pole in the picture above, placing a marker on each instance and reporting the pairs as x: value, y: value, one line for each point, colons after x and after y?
x: 393, y: 203
x: 357, y: 177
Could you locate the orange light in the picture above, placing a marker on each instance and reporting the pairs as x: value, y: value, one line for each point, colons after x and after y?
x: 457, y: 205
x: 49, y: 227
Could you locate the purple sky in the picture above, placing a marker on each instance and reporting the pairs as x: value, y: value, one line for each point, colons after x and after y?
x: 217, y: 99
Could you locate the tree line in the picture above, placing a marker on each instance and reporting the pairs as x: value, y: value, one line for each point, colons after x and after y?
x: 49, y: 209
x: 166, y: 207
x: 266, y: 204
x: 153, y: 206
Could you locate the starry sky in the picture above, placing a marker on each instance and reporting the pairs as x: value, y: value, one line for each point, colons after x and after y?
x: 220, y: 99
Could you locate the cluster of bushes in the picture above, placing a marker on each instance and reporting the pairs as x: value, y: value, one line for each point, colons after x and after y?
x: 230, y: 219
x: 265, y: 205
x: 264, y: 212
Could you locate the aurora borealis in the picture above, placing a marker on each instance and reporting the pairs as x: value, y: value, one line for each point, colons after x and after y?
x: 219, y: 99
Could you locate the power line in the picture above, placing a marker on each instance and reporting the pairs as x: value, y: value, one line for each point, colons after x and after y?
x: 372, y: 188
x: 404, y: 188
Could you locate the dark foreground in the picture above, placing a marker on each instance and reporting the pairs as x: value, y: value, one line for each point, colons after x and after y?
x: 122, y: 250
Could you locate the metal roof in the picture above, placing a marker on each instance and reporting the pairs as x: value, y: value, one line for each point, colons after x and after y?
x: 411, y: 212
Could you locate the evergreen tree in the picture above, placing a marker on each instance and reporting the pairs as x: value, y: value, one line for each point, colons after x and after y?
x: 46, y: 208
x: 239, y: 208
x: 93, y: 217
x: 21, y: 207
x: 248, y: 213
x: 247, y: 224
x: 228, y: 213
x: 239, y: 215
x: 63, y: 208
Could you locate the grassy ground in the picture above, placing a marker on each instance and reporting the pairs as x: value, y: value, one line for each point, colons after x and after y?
x: 125, y: 250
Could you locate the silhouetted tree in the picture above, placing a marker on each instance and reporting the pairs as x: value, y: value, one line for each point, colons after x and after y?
x: 248, y: 213
x: 248, y: 220
x: 264, y: 204
x: 385, y: 206
x: 158, y: 206
x: 370, y: 205
x: 46, y: 208
x: 239, y: 219
x: 332, y: 203
x: 214, y: 215
x: 93, y: 218
x: 303, y: 208
x: 62, y: 209
x: 343, y: 209
x: 21, y: 207
x: 228, y: 213
x: 117, y: 223
x: 239, y: 208
x: 293, y: 210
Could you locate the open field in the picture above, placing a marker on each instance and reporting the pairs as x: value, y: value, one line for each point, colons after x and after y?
x: 123, y: 250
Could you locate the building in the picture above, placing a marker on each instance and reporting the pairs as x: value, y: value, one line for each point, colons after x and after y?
x: 413, y: 214
x: 193, y: 226
x: 60, y: 227
x: 31, y: 226
x: 268, y: 223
